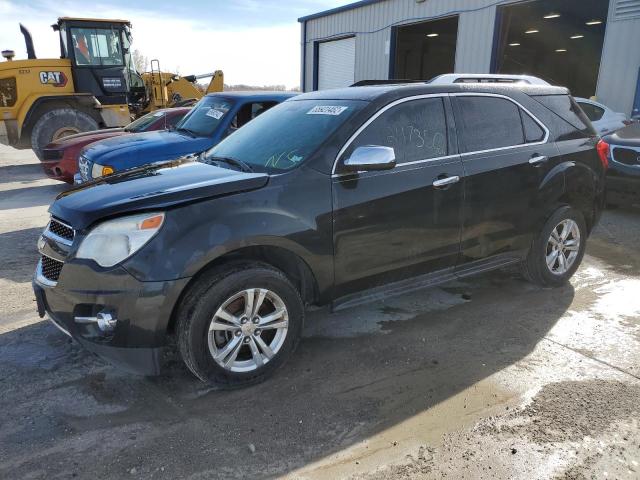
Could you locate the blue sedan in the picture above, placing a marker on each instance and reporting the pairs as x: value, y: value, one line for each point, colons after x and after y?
x: 213, y: 118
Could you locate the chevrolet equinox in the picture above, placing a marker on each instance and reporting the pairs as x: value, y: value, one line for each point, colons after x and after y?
x: 330, y: 198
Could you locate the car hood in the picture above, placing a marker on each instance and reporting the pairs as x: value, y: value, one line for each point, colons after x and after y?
x: 626, y: 137
x: 154, y: 146
x: 85, y: 138
x: 156, y: 186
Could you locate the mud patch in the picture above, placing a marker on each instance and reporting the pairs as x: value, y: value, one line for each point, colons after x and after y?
x: 572, y: 410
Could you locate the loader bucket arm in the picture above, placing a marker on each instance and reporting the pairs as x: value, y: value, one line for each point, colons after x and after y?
x: 217, y: 82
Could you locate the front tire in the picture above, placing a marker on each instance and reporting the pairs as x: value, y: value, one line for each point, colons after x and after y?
x: 59, y: 123
x: 556, y: 253
x: 237, y: 325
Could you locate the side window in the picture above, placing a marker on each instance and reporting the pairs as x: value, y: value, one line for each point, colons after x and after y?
x: 593, y: 112
x: 486, y: 123
x: 568, y: 110
x: 250, y: 111
x: 172, y: 120
x: 416, y: 130
x: 532, y: 130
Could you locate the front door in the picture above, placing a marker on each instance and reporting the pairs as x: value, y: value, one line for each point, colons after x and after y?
x: 394, y: 224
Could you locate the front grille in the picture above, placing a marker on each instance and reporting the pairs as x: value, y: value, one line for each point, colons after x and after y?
x: 51, y: 268
x: 627, y: 156
x: 49, y: 154
x: 61, y: 230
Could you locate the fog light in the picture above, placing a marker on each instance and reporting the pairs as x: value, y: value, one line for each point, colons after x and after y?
x: 105, y: 320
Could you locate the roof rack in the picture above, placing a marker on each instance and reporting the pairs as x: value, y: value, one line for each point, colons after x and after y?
x: 394, y: 81
x: 451, y: 78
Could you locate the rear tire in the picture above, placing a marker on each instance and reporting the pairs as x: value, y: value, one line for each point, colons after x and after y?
x: 58, y: 123
x: 557, y: 251
x: 238, y: 324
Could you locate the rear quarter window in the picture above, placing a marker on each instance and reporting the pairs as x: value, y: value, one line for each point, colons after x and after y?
x: 565, y: 107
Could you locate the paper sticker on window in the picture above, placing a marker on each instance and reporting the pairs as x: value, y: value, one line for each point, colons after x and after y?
x: 217, y: 114
x: 327, y: 110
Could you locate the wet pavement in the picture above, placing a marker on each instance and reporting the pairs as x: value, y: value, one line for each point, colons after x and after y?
x: 487, y: 378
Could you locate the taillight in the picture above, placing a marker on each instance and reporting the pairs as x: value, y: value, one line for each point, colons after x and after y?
x: 603, y: 152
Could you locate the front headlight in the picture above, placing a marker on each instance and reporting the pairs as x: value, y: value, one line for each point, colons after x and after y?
x: 98, y: 170
x: 115, y: 240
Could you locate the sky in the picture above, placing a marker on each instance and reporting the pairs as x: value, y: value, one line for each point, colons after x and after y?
x: 255, y: 42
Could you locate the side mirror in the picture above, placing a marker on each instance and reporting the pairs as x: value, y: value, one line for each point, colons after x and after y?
x: 371, y: 157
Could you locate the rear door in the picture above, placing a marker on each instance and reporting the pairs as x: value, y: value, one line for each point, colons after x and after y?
x: 394, y: 224
x: 505, y: 153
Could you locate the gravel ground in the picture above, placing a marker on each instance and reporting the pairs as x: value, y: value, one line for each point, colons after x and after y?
x: 487, y: 378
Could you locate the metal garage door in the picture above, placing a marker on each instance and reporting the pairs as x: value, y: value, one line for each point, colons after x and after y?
x: 336, y: 63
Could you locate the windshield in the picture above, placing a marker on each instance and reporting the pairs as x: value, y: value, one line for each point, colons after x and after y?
x: 286, y: 135
x: 205, y: 117
x: 142, y: 123
x: 97, y: 46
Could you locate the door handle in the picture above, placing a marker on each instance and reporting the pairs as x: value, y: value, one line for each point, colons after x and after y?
x: 538, y: 159
x: 443, y: 182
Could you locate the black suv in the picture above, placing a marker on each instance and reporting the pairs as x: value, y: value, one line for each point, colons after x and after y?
x: 333, y: 197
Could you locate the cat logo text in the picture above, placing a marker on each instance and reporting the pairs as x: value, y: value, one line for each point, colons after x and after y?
x: 57, y: 79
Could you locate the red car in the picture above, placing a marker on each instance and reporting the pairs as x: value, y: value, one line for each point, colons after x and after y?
x: 60, y: 158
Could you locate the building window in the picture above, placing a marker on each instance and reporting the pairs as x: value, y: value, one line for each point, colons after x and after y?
x: 557, y: 40
x: 425, y: 50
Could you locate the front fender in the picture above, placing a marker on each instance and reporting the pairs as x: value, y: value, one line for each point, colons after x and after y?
x: 293, y: 212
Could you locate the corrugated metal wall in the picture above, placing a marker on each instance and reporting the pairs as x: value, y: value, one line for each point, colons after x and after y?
x: 372, y: 26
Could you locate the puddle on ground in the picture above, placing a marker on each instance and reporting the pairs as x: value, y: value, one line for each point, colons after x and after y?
x: 370, y: 318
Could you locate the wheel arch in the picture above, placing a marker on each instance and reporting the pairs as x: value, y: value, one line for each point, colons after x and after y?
x: 291, y: 264
x: 574, y: 184
x: 37, y: 106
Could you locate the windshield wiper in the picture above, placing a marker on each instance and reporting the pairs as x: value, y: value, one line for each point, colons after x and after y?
x: 244, y: 167
x: 191, y: 133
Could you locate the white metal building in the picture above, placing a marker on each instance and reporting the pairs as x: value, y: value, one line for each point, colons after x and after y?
x: 591, y: 46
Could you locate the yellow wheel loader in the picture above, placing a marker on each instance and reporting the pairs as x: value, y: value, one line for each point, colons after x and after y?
x: 92, y: 85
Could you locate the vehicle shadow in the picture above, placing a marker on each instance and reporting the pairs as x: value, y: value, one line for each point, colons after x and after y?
x: 34, y: 196
x: 19, y: 254
x: 68, y: 410
x: 24, y: 173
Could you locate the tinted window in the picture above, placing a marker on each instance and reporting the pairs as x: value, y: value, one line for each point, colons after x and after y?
x: 533, y: 132
x: 172, y: 120
x: 592, y: 112
x: 488, y: 122
x: 205, y: 117
x: 568, y: 110
x: 144, y: 122
x: 286, y: 135
x: 416, y: 130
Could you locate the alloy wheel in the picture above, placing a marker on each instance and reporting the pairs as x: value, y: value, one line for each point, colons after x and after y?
x: 563, y: 247
x: 248, y: 330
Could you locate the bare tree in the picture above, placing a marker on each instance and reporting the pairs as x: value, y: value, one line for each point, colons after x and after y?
x: 140, y: 61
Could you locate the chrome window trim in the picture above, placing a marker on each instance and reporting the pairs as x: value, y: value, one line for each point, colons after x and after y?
x: 375, y: 116
x: 442, y: 95
x: 526, y: 144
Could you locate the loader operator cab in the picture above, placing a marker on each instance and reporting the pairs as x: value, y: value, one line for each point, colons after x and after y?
x: 100, y: 55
